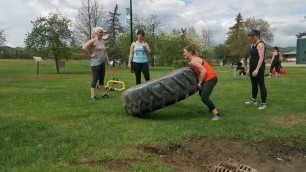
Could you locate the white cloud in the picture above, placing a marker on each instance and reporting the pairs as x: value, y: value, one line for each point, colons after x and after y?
x: 286, y: 16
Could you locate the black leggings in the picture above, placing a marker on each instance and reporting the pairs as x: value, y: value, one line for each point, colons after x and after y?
x: 98, y: 73
x: 275, y: 65
x: 141, y: 67
x: 205, y: 92
x: 259, y: 80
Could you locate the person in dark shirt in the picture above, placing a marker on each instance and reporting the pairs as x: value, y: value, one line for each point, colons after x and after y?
x: 275, y: 62
x: 257, y: 69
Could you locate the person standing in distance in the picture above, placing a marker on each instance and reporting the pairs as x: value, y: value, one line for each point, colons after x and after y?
x: 207, y: 78
x: 95, y: 49
x: 257, y: 69
x: 138, y: 58
x: 275, y: 62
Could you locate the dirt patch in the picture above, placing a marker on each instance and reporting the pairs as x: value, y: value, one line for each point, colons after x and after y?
x: 52, y: 77
x: 288, y: 121
x: 208, y: 155
x: 217, y: 155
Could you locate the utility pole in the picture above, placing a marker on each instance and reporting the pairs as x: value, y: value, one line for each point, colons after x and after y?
x: 152, y: 54
x: 131, y: 21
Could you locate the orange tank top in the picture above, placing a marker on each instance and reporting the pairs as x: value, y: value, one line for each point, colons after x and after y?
x: 210, y: 73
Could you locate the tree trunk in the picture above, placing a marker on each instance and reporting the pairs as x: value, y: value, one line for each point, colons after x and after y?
x: 57, y: 66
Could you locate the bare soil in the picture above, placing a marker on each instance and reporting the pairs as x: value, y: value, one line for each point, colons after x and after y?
x: 218, y: 155
x: 206, y: 155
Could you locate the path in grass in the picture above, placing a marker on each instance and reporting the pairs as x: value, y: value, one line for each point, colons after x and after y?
x: 51, y: 77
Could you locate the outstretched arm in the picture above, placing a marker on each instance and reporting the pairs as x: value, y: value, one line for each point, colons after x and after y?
x: 131, y: 55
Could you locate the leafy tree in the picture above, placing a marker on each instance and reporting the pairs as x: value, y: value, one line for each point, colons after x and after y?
x: 2, y: 37
x: 237, y: 40
x: 238, y: 44
x: 166, y: 48
x: 192, y: 32
x: 50, y: 36
x: 176, y: 32
x: 203, y: 47
x: 301, y: 34
x: 221, y: 52
x: 207, y: 35
x: 113, y: 32
x: 263, y: 26
x: 170, y: 47
x: 124, y: 47
x: 152, y: 23
x: 90, y: 15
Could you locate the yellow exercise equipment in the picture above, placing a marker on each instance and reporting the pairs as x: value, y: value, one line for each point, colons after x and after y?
x: 111, y: 83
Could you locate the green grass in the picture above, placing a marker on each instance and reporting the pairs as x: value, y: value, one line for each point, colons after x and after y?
x: 48, y: 123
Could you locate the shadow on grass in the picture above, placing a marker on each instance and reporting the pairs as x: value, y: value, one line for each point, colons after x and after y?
x: 179, y: 111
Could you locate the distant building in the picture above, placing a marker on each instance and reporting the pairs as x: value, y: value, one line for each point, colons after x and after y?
x: 301, y: 51
x: 291, y: 54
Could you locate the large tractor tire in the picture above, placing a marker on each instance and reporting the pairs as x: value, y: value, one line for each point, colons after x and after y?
x: 159, y: 93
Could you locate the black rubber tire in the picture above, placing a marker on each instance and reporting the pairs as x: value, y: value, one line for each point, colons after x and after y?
x: 159, y: 93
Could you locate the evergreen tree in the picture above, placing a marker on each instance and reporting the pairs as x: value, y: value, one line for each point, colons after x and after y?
x: 237, y: 40
x: 2, y: 37
x: 113, y: 32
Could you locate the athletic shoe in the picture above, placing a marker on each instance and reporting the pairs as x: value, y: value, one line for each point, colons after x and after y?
x: 263, y: 106
x: 276, y: 75
x: 105, y: 96
x: 94, y: 98
x: 216, y: 118
x: 251, y: 102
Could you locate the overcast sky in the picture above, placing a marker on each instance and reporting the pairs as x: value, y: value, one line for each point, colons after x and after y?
x: 286, y: 16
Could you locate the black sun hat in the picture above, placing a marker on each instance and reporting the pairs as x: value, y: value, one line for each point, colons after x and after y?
x: 254, y: 33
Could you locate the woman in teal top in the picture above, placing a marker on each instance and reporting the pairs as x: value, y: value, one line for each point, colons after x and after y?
x: 138, y: 58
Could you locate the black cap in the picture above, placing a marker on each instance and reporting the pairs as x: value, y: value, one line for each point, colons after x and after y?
x: 254, y: 33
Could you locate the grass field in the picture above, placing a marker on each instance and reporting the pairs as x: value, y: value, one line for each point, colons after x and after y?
x: 48, y: 123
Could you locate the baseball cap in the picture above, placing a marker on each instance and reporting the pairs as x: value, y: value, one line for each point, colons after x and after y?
x: 254, y: 33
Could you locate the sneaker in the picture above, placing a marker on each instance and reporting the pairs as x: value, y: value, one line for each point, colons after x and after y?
x: 251, y: 102
x: 276, y: 75
x: 216, y: 118
x: 94, y: 98
x: 105, y: 96
x: 263, y: 106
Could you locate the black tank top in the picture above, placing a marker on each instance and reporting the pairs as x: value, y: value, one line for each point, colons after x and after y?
x: 276, y: 58
x: 254, y: 57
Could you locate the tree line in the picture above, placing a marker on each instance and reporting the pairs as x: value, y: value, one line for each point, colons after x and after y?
x: 55, y: 36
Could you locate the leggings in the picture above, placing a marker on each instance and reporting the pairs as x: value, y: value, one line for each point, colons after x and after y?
x: 275, y: 65
x: 205, y: 92
x: 98, y: 73
x: 141, y: 67
x: 259, y: 80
